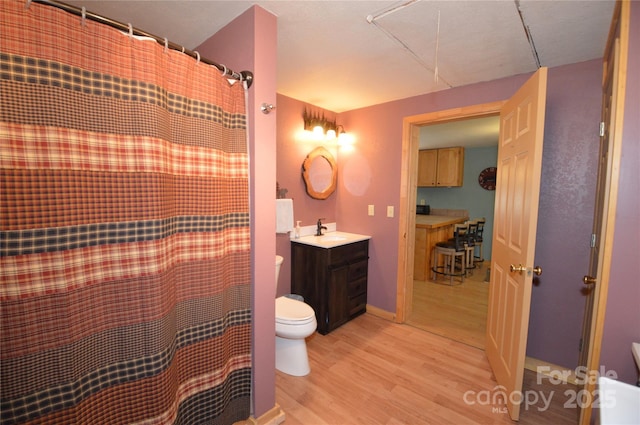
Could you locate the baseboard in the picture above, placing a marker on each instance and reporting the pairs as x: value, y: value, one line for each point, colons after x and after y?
x: 383, y: 314
x: 275, y: 416
x: 551, y: 370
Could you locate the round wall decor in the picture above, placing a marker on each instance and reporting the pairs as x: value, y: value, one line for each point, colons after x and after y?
x: 487, y: 178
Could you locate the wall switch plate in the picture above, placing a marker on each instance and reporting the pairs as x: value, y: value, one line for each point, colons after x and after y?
x: 423, y: 202
x: 390, y: 211
x: 371, y: 211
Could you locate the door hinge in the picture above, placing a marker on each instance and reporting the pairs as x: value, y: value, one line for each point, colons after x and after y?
x: 593, y: 240
x: 580, y: 344
x: 602, y: 128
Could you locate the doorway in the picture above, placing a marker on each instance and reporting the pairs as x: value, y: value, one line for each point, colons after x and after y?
x: 456, y: 310
x: 411, y: 136
x: 521, y: 137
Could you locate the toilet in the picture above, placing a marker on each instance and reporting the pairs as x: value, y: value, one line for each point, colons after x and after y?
x: 295, y: 321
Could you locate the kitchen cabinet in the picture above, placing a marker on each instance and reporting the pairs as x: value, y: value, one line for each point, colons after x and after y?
x: 333, y: 281
x: 427, y: 167
x: 441, y: 167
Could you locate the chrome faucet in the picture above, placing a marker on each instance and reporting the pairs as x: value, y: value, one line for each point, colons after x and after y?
x: 320, y: 227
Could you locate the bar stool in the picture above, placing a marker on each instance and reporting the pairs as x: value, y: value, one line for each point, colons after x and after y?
x: 478, y: 240
x: 470, y: 246
x: 450, y: 251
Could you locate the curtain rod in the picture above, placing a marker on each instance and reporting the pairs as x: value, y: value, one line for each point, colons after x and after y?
x: 242, y: 76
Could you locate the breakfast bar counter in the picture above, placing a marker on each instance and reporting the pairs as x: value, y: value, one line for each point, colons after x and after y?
x: 430, y: 229
x: 436, y: 221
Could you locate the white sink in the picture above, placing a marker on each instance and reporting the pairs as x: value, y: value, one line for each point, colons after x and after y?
x: 328, y: 238
x: 331, y: 239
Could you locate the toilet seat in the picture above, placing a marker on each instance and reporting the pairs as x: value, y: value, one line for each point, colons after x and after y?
x: 293, y: 312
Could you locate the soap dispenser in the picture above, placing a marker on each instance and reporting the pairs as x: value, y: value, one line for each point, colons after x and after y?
x: 297, y: 234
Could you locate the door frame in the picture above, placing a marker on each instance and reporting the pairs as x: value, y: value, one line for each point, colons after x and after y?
x: 620, y: 22
x: 408, y: 192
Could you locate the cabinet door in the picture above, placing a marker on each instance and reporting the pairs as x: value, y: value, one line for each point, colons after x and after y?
x: 450, y: 166
x: 427, y: 166
x: 338, y: 297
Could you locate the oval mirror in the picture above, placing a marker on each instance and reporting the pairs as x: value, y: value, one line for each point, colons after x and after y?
x: 320, y: 173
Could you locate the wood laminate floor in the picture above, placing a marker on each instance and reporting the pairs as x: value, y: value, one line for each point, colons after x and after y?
x: 457, y: 311
x: 372, y: 371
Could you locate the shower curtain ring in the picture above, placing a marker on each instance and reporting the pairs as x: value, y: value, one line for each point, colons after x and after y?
x: 84, y: 16
x: 130, y: 30
x: 27, y: 4
x: 166, y: 44
x: 197, y: 57
x: 224, y: 72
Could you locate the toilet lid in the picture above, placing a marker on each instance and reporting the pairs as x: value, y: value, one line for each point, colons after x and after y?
x: 293, y: 311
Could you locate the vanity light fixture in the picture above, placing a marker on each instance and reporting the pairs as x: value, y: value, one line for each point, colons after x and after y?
x: 317, y: 124
x: 321, y: 129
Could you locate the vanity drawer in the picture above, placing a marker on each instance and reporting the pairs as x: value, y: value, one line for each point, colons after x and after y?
x: 357, y: 304
x: 357, y: 287
x: 358, y: 270
x: 349, y: 253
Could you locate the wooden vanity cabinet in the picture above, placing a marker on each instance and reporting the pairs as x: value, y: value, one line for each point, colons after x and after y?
x: 332, y: 280
x: 441, y: 167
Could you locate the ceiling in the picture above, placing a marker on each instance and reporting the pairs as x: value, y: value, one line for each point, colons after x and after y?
x: 344, y: 55
x: 470, y: 133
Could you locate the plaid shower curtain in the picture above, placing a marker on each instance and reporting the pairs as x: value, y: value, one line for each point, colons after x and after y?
x: 124, y: 226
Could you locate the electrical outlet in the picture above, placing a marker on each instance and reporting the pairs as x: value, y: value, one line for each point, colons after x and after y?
x: 390, y: 211
x: 371, y: 211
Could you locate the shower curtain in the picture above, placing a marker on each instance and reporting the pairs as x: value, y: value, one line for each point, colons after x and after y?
x: 124, y: 226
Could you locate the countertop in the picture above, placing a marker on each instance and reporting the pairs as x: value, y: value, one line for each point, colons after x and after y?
x: 435, y: 221
x: 331, y: 239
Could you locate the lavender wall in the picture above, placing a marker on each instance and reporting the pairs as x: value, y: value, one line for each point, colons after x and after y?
x: 565, y: 217
x: 622, y: 320
x: 249, y: 42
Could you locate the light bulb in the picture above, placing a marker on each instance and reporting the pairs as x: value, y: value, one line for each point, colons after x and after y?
x: 345, y: 139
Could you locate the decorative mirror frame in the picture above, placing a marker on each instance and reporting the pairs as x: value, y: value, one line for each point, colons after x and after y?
x: 320, y: 151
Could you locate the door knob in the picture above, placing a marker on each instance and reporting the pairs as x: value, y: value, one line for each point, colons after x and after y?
x: 519, y: 268
x: 588, y: 280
